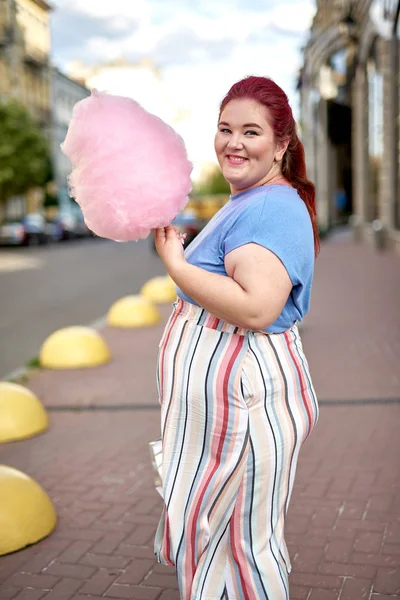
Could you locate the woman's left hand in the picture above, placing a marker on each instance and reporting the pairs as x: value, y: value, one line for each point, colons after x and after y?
x: 169, y: 245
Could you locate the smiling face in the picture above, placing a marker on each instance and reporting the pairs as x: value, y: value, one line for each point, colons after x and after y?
x: 245, y: 145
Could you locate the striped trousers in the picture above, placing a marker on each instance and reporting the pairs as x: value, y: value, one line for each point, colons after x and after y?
x: 236, y: 406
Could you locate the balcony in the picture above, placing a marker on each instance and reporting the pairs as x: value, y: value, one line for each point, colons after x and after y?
x: 35, y: 56
x: 43, y: 4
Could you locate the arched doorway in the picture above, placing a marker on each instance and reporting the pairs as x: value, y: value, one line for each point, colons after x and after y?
x: 337, y: 91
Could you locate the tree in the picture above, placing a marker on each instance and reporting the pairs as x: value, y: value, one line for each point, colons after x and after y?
x: 24, y: 151
x: 213, y: 183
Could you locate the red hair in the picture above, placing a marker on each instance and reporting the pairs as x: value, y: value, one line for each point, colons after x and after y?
x: 280, y: 117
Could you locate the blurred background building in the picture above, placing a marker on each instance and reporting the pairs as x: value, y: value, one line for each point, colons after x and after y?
x: 25, y: 71
x: 65, y: 93
x: 26, y: 75
x: 349, y: 98
x: 349, y: 87
x: 25, y: 56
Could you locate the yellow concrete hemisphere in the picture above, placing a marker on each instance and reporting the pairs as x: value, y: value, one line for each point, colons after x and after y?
x: 74, y: 348
x: 133, y: 311
x: 21, y: 413
x: 159, y: 290
x: 26, y: 512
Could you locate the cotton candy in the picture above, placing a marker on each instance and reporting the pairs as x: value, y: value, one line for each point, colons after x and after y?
x: 130, y: 171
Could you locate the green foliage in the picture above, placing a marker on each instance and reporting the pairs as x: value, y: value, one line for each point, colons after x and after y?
x: 24, y: 151
x: 33, y: 363
x: 21, y: 380
x: 214, y: 183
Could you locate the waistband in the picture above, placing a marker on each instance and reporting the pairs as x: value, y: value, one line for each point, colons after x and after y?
x: 195, y: 313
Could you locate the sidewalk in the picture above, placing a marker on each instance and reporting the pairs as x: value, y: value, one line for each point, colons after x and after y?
x: 343, y: 529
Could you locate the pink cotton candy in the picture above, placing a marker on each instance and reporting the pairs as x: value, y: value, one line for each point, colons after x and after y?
x: 130, y: 171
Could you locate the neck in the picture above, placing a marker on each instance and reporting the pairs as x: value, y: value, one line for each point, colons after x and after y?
x: 279, y: 178
x: 269, y: 180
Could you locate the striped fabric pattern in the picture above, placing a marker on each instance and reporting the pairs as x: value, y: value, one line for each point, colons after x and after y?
x: 236, y: 406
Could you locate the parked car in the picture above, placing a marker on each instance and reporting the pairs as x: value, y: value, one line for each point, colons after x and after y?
x: 82, y: 230
x: 62, y: 227
x: 67, y: 225
x: 32, y: 229
x: 188, y: 223
x: 54, y: 230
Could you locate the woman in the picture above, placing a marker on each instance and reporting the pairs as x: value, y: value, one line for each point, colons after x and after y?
x: 235, y: 390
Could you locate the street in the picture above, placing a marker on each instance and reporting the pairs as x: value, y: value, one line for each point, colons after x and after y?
x: 43, y: 289
x: 342, y: 529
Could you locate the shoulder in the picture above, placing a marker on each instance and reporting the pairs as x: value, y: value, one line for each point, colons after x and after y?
x: 284, y: 201
x: 275, y: 195
x: 283, y: 222
x: 280, y: 205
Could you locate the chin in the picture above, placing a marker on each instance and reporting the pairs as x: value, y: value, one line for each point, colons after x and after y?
x: 235, y: 180
x: 238, y: 183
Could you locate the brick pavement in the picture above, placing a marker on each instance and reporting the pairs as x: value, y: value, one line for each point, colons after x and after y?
x: 343, y: 529
x: 352, y: 333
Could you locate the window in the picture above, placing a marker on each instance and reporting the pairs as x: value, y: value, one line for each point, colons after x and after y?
x: 375, y: 131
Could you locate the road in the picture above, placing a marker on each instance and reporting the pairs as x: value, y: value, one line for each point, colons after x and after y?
x: 43, y: 289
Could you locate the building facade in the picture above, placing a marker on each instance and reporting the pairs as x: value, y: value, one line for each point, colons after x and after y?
x: 65, y: 93
x: 25, y: 56
x: 25, y: 75
x: 349, y: 90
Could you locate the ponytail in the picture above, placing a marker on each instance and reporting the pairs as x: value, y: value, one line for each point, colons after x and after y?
x: 294, y: 170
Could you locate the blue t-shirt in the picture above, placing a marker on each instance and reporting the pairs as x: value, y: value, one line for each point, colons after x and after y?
x: 272, y: 216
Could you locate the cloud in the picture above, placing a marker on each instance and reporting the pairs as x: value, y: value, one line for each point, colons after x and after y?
x: 103, y: 9
x: 172, y: 33
x: 186, y: 47
x: 73, y: 35
x: 201, y: 46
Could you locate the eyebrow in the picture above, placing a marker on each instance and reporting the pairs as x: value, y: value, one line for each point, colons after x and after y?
x: 245, y: 125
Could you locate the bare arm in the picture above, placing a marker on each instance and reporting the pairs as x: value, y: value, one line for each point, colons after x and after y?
x: 252, y: 296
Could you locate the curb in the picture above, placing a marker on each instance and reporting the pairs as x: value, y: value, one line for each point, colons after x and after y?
x: 22, y: 372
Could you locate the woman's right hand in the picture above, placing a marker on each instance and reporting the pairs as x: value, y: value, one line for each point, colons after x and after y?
x: 169, y: 245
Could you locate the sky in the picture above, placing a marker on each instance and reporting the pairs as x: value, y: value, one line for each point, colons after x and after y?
x: 200, y: 47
